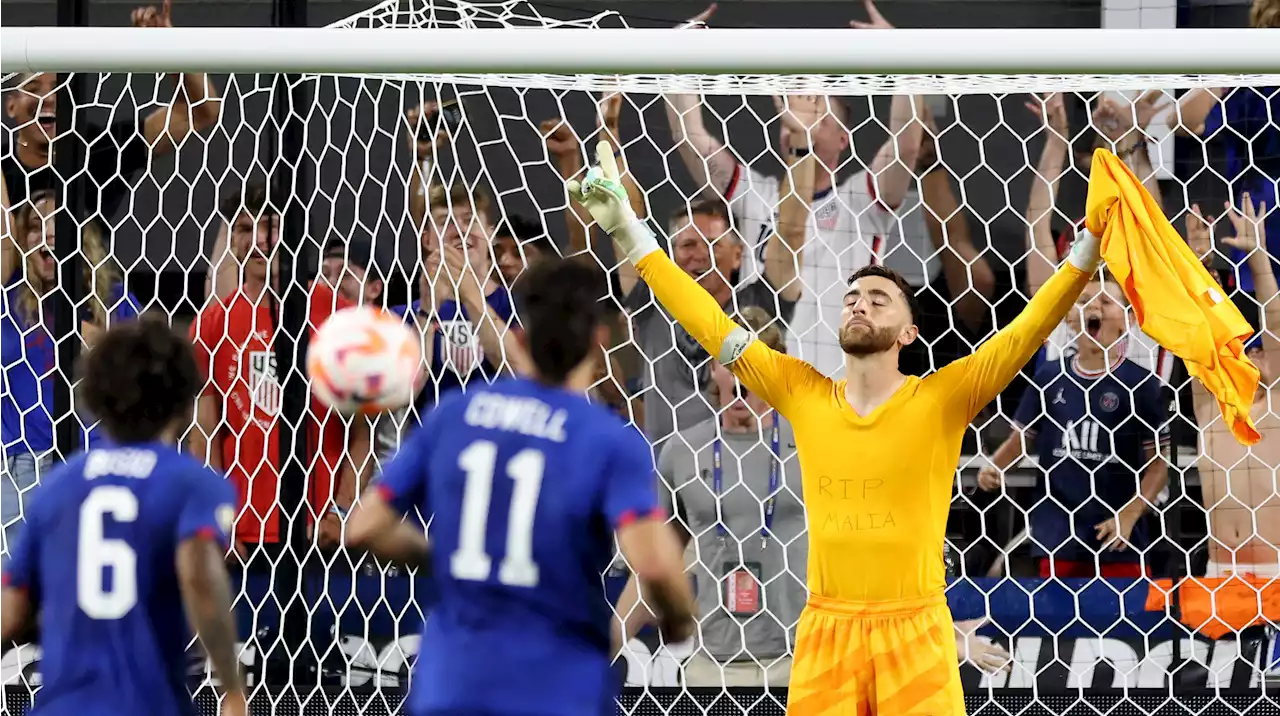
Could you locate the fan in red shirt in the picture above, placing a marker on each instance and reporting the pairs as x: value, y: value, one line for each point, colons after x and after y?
x: 236, y: 421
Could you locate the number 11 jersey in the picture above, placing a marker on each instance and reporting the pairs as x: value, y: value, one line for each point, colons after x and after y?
x: 524, y: 485
x: 98, y: 559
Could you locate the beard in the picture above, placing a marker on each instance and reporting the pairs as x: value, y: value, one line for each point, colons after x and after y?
x: 861, y: 340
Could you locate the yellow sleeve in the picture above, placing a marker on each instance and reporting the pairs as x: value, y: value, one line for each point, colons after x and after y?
x: 772, y: 375
x: 975, y: 380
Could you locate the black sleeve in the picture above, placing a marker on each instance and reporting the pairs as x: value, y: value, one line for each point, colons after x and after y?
x: 116, y: 156
x: 763, y: 295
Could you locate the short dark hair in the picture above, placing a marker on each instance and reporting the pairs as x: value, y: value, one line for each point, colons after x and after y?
x: 908, y: 291
x: 253, y: 196
x: 702, y: 207
x: 560, y: 302
x: 139, y: 378
x: 527, y: 232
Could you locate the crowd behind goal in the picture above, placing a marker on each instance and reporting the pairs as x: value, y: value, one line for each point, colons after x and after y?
x: 1084, y: 469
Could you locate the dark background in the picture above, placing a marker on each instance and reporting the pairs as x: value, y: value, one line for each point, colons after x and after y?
x: 357, y: 140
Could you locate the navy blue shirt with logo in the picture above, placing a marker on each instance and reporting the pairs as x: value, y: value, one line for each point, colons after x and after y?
x: 457, y: 360
x: 1093, y: 434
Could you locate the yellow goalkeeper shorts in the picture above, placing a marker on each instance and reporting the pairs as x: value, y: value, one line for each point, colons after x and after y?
x: 875, y: 659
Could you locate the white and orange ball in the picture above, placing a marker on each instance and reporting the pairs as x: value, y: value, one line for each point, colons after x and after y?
x: 363, y: 360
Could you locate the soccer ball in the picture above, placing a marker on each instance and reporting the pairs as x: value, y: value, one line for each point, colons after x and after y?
x: 363, y: 360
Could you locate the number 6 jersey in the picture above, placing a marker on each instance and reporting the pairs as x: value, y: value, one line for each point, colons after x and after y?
x: 524, y: 485
x: 98, y: 561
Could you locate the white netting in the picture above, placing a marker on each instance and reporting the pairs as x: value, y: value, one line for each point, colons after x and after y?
x: 982, y: 192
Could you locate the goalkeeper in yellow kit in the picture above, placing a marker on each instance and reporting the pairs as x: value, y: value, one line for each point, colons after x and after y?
x: 878, y: 454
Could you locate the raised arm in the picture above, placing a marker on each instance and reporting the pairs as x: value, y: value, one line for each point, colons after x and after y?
x: 195, y: 106
x: 968, y: 275
x: 708, y: 161
x: 893, y: 169
x: 1251, y: 238
x: 973, y: 381
x: 776, y: 377
x: 1193, y: 109
x: 424, y: 146
x: 784, y: 252
x: 1042, y: 257
x: 10, y: 254
x: 565, y: 150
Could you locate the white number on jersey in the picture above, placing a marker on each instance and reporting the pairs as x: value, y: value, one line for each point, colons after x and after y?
x: 96, y: 554
x: 471, y: 562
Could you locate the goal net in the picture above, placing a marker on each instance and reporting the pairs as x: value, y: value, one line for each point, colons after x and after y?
x: 1084, y: 494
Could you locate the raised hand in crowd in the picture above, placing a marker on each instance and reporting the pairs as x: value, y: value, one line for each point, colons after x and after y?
x: 699, y: 21
x: 562, y: 145
x: 1200, y: 234
x: 799, y: 116
x: 1051, y: 111
x: 1250, y: 230
x: 875, y: 21
x: 422, y: 141
x: 1125, y: 124
x: 151, y: 16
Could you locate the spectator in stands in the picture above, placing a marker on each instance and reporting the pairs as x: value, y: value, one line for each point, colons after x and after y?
x: 29, y: 273
x: 705, y: 245
x: 236, y: 417
x: 1120, y: 128
x: 733, y: 481
x: 114, y: 161
x: 933, y: 239
x: 462, y: 310
x: 849, y: 219
x: 1238, y: 482
x: 519, y: 243
x: 620, y: 386
x: 1100, y: 432
x: 349, y: 267
x: 1245, y: 122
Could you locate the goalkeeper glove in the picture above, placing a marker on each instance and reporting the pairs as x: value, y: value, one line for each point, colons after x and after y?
x: 1086, y: 251
x: 604, y: 197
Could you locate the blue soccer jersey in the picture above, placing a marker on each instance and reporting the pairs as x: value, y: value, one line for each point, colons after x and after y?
x: 525, y: 485
x: 1092, y: 434
x: 97, y: 559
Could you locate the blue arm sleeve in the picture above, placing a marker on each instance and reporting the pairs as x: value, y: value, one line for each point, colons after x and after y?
x: 21, y: 566
x: 127, y: 307
x: 1031, y: 406
x: 1153, y: 411
x: 403, y: 482
x: 209, y: 510
x: 630, y: 492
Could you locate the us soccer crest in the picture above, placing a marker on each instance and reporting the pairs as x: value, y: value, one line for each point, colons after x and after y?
x: 827, y: 215
x: 264, y: 389
x: 461, y: 352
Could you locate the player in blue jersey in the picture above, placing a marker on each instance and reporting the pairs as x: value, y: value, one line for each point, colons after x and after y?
x: 527, y: 484
x: 1098, y: 425
x: 124, y: 545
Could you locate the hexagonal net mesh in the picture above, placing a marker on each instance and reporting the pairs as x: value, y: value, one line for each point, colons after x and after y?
x: 246, y: 207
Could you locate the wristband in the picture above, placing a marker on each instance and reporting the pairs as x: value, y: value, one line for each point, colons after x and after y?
x: 801, y: 152
x: 335, y: 510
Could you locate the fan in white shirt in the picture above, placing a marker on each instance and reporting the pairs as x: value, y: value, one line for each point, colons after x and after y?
x: 849, y: 220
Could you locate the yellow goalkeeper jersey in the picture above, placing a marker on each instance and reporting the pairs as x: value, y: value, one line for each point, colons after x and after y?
x: 877, y: 487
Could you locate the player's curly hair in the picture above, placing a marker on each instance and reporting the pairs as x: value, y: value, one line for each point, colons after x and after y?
x: 561, y: 303
x: 908, y: 291
x: 139, y: 378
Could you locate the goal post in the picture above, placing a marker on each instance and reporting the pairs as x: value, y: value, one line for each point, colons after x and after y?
x: 377, y: 178
x: 521, y: 50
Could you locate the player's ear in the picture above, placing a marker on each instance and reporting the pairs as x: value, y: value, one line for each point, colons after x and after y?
x: 908, y: 335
